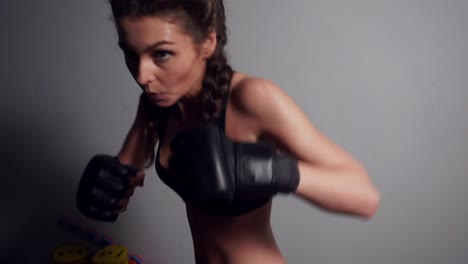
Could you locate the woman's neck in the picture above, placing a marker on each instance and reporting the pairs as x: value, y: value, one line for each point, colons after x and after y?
x: 189, y: 109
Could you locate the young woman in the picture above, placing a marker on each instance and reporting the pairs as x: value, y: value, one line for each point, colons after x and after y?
x: 227, y: 142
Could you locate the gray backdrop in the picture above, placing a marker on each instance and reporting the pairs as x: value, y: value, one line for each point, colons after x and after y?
x: 385, y: 79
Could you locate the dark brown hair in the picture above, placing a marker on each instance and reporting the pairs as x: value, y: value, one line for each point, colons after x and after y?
x: 197, y: 18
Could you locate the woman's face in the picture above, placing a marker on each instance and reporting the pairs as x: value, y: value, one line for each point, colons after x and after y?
x: 163, y: 60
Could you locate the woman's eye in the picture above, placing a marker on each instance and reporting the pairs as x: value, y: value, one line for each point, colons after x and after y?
x: 161, y: 56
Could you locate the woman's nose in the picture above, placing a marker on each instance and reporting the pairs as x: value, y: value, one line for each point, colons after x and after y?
x: 146, y: 72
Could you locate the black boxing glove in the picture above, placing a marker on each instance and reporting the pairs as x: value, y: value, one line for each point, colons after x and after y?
x: 215, y: 169
x: 103, y: 184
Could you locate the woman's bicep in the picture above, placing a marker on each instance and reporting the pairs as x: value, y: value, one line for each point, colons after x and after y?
x: 281, y: 119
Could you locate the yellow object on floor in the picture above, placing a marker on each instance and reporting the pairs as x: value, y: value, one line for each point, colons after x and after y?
x: 113, y: 254
x: 70, y: 254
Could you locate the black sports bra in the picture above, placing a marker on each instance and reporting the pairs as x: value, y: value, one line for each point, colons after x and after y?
x: 237, y: 207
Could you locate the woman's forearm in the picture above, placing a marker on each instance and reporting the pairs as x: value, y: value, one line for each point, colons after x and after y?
x: 133, y: 149
x: 141, y: 139
x: 343, y: 190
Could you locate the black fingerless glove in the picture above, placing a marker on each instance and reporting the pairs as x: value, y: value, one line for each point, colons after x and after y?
x: 103, y: 184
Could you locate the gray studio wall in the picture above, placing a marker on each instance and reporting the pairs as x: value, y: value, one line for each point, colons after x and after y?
x: 387, y: 80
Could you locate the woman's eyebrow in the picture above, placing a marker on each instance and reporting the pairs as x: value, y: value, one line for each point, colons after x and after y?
x: 123, y: 46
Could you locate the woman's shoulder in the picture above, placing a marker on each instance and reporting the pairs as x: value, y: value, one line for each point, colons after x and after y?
x: 253, y: 93
x: 242, y: 82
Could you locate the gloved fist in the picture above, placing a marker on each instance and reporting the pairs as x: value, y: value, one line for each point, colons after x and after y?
x: 105, y: 187
x: 217, y: 170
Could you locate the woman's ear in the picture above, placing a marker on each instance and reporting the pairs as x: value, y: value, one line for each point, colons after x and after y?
x: 209, y: 45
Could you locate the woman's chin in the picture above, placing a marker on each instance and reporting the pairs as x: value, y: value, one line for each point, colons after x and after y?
x: 162, y: 102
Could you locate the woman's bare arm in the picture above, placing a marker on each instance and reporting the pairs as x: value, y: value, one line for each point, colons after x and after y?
x: 329, y: 176
x: 141, y: 139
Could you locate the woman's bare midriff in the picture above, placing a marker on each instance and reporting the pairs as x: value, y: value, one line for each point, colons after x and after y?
x: 244, y: 239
